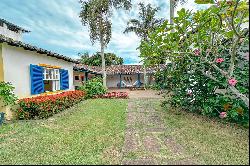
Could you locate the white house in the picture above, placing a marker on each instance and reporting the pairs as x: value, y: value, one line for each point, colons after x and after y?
x: 31, y: 70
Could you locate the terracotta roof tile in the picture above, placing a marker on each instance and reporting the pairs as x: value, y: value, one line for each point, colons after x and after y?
x: 119, y: 69
x: 11, y: 26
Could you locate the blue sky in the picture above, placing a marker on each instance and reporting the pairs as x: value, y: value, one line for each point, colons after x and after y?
x: 55, y: 25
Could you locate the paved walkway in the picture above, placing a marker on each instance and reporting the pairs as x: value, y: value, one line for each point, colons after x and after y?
x: 146, y: 141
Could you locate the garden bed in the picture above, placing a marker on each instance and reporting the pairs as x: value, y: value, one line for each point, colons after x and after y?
x: 47, y: 105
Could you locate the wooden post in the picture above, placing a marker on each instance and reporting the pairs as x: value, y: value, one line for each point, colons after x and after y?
x: 86, y: 76
x: 120, y: 81
x: 145, y: 77
x: 139, y: 79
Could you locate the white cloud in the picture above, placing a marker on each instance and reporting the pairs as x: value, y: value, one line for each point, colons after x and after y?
x: 56, y: 24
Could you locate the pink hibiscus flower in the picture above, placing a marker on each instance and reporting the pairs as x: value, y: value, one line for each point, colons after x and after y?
x: 232, y: 82
x: 219, y: 60
x: 223, y: 115
x: 197, y: 52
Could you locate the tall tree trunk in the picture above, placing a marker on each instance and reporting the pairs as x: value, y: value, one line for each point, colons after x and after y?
x: 144, y: 66
x: 103, y: 64
x: 172, y: 2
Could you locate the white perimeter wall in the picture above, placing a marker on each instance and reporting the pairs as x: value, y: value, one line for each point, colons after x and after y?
x: 16, y: 62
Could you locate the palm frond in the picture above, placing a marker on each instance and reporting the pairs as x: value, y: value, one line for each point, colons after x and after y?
x: 130, y: 29
x: 134, y: 22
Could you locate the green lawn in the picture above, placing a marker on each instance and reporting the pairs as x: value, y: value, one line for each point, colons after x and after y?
x: 208, y: 141
x: 90, y: 133
x: 93, y: 133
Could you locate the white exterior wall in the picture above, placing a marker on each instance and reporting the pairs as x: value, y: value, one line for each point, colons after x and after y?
x: 17, y: 62
x: 11, y: 34
x: 112, y: 80
x: 78, y: 82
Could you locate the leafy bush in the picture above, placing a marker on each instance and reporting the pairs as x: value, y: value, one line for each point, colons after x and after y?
x: 210, y: 60
x: 6, y: 93
x: 93, y: 87
x: 45, y: 106
x: 114, y: 95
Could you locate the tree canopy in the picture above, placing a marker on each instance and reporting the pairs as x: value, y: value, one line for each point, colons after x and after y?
x: 146, y: 23
x: 96, y: 14
x: 96, y: 59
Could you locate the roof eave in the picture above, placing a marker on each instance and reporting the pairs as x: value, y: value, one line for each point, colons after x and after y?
x: 28, y: 47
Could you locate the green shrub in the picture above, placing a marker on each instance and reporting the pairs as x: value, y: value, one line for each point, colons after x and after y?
x: 93, y: 87
x: 6, y: 93
x: 210, y: 61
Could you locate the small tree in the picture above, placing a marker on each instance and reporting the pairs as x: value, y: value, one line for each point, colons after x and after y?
x: 96, y: 14
x: 96, y: 59
x: 208, y: 45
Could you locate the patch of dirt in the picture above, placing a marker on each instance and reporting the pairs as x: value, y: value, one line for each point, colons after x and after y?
x: 175, y: 148
x: 131, y: 141
x: 156, y: 120
x: 139, y: 162
x: 131, y: 107
x: 151, y: 144
x: 111, y: 155
x: 182, y: 162
x: 155, y: 130
x: 134, y: 118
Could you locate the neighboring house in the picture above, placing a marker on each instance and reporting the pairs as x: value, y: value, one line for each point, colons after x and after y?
x: 118, y: 76
x: 31, y: 70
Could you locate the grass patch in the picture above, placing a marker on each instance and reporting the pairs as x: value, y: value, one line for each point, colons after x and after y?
x: 92, y: 132
x: 195, y: 138
x: 208, y: 141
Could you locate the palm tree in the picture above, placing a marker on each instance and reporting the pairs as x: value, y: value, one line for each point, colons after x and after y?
x: 96, y: 14
x: 146, y: 23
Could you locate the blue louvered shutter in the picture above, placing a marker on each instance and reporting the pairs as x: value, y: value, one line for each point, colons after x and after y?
x: 64, y: 79
x: 36, y: 78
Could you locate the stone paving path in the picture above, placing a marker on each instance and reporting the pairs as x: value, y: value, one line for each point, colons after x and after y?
x: 146, y: 139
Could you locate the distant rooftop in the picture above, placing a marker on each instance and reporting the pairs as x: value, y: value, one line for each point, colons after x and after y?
x: 119, y: 69
x: 11, y: 26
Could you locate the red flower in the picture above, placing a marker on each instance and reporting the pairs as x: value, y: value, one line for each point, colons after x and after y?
x: 49, y: 103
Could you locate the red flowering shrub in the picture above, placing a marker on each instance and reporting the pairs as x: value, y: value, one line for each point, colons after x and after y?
x: 45, y: 106
x: 121, y: 95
